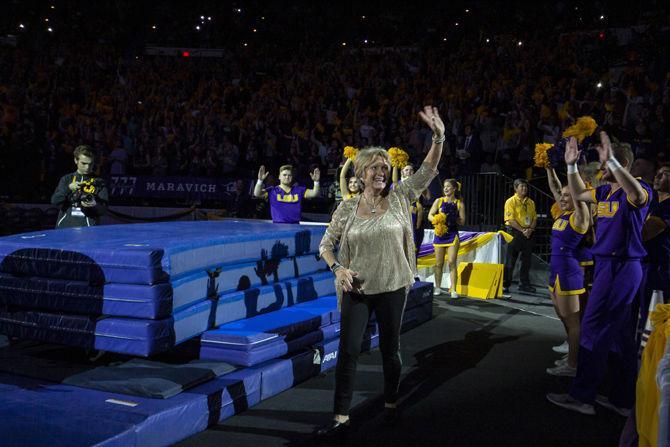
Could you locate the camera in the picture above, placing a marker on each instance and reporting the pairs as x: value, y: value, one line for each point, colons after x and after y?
x: 87, y: 191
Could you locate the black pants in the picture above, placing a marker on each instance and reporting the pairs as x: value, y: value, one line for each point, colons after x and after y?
x: 520, y: 245
x: 356, y: 310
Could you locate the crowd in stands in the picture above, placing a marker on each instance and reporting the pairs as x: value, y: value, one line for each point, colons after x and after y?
x: 296, y: 95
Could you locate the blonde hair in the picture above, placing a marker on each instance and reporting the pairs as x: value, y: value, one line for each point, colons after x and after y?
x: 623, y: 151
x: 286, y: 168
x: 366, y: 157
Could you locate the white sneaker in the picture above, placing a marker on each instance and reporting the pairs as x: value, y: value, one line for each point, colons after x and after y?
x: 562, y: 361
x: 567, y: 401
x: 562, y: 348
x: 605, y: 402
x: 562, y: 370
x: 454, y: 294
x: 437, y: 291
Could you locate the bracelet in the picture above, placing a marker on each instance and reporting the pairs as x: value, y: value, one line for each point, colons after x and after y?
x: 316, y: 182
x: 572, y: 168
x: 259, y: 182
x: 335, y: 266
x: 613, y: 164
x: 439, y: 140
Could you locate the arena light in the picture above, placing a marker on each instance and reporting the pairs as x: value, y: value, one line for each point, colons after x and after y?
x: 599, y: 85
x: 53, y: 7
x: 488, y: 40
x: 444, y: 39
x: 253, y: 30
x: 344, y: 44
x: 21, y: 26
x: 245, y: 44
x: 209, y: 18
x: 365, y: 41
x: 153, y: 27
x: 202, y: 17
x: 467, y: 10
x: 197, y: 27
x: 50, y: 30
x: 185, y: 54
x: 601, y: 35
x: 456, y: 24
x: 47, y: 19
x: 519, y: 43
x: 602, y: 17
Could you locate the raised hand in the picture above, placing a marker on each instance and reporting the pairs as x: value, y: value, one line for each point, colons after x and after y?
x: 316, y: 174
x: 262, y: 173
x: 572, y: 151
x: 604, y: 148
x: 431, y: 117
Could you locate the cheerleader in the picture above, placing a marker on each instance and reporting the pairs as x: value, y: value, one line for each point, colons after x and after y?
x: 566, y: 278
x: 348, y: 188
x: 452, y: 208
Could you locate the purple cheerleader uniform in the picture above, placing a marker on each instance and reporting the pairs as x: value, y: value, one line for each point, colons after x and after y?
x: 450, y: 209
x: 566, y: 276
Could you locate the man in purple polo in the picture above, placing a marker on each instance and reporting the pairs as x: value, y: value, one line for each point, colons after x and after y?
x: 286, y: 199
x: 607, y: 342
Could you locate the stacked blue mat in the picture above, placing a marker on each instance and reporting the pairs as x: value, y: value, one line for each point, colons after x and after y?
x: 142, y: 289
x: 31, y: 411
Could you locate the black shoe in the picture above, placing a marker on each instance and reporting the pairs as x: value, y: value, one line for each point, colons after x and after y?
x: 334, y: 428
x: 390, y: 416
x: 505, y: 290
x: 527, y: 288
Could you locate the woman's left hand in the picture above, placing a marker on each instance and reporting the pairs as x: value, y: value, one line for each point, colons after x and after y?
x: 431, y: 117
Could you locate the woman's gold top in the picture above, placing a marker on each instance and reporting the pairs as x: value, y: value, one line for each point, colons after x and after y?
x: 381, y: 249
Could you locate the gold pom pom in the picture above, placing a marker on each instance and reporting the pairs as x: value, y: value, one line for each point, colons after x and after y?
x: 440, y: 224
x: 541, y: 157
x: 350, y: 152
x: 584, y: 127
x: 399, y: 158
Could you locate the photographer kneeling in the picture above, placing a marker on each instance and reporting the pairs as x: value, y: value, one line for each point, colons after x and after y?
x: 81, y: 197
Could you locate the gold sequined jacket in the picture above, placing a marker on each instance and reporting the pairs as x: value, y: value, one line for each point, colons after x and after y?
x: 400, y: 199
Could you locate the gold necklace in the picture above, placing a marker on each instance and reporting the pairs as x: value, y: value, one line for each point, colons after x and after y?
x: 373, y: 209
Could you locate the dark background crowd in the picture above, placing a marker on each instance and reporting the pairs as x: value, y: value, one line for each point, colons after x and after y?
x: 295, y: 82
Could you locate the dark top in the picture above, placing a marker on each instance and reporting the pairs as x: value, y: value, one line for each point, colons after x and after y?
x: 71, y: 213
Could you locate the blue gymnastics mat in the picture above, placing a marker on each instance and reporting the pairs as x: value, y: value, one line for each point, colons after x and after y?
x: 153, y: 252
x: 39, y: 413
x: 146, y: 337
x: 123, y: 335
x: 154, y: 301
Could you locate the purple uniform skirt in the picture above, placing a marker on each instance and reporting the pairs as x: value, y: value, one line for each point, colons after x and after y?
x: 446, y: 240
x: 566, y: 276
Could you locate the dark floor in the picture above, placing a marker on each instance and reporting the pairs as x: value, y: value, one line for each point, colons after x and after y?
x: 474, y: 375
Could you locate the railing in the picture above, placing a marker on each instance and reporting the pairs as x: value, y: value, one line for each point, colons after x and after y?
x: 485, y: 195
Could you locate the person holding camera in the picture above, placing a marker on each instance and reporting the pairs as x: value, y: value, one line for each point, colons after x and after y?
x: 81, y: 197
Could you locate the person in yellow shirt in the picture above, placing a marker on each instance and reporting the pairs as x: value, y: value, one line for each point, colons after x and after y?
x: 520, y: 219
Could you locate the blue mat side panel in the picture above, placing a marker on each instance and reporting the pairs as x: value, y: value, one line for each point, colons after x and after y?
x: 140, y: 301
x: 255, y: 301
x: 272, y: 242
x: 190, y: 288
x: 150, y: 253
x: 192, y: 321
x: 123, y: 335
x: 280, y: 346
